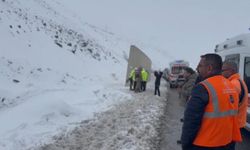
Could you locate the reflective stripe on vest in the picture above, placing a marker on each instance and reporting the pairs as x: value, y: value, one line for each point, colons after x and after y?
x: 215, y: 103
x: 219, y: 124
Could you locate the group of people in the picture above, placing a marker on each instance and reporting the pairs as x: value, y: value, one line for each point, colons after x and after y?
x: 216, y: 105
x: 138, y: 78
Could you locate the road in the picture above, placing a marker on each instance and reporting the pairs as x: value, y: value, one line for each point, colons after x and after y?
x: 172, y: 132
x: 245, y: 145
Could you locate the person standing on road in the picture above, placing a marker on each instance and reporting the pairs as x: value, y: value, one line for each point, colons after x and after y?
x: 138, y: 80
x: 186, y: 88
x: 210, y: 118
x: 230, y: 71
x: 144, y: 75
x: 132, y: 79
x: 158, y: 75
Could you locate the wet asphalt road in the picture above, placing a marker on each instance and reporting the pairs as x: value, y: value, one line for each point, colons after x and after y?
x: 245, y: 145
x: 172, y: 129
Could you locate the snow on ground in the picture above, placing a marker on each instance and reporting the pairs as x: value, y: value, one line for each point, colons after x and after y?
x: 57, y: 73
x: 134, y: 124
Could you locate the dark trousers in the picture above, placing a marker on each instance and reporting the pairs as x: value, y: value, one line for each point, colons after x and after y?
x: 143, y: 85
x: 134, y: 84
x: 131, y: 84
x: 157, y: 90
x: 230, y: 146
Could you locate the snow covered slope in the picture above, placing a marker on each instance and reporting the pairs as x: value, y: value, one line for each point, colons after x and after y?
x: 54, y: 70
x: 51, y: 71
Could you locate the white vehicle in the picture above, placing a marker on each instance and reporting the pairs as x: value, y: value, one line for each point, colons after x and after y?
x: 237, y: 49
x: 176, y: 72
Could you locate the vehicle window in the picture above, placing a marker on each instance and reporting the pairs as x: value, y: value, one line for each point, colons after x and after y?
x: 234, y: 58
x: 247, y: 72
x: 177, y: 70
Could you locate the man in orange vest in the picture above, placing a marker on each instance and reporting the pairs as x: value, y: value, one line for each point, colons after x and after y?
x: 210, y: 118
x: 230, y: 71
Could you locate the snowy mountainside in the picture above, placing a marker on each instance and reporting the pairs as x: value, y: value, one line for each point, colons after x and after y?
x: 40, y: 38
x: 54, y: 71
x: 24, y: 20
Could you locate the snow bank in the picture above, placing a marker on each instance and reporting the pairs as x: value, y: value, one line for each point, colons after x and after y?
x: 134, y: 124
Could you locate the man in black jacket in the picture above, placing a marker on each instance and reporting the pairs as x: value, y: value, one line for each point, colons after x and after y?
x: 158, y: 76
x: 209, y: 66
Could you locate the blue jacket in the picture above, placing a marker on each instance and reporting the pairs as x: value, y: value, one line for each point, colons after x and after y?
x: 195, y: 108
x: 193, y: 114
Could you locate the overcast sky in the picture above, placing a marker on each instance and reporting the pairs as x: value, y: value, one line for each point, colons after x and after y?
x: 185, y: 29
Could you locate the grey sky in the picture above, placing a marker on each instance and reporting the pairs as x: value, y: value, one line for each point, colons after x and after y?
x: 185, y: 29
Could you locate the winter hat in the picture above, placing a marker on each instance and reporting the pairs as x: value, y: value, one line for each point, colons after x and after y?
x: 189, y: 70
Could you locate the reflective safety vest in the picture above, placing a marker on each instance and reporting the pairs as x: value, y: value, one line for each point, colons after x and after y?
x: 242, y: 113
x: 144, y: 75
x: 132, y: 74
x: 219, y: 125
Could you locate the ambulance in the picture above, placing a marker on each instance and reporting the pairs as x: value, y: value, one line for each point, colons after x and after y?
x: 175, y: 75
x: 237, y: 49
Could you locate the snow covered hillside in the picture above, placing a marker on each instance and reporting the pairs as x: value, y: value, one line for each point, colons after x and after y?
x: 54, y: 70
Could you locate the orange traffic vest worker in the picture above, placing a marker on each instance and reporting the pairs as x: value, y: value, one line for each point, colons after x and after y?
x: 219, y: 125
x: 240, y: 85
